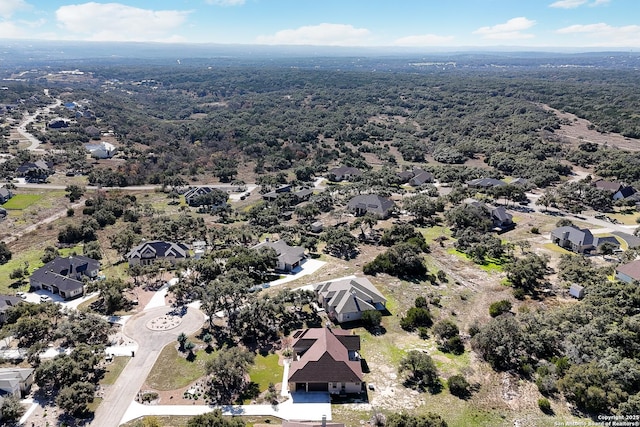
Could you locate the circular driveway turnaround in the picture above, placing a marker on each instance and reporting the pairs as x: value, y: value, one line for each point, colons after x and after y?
x: 164, y: 323
x: 119, y: 396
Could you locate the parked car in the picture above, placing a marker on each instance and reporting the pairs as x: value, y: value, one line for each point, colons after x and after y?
x: 21, y: 294
x: 45, y: 298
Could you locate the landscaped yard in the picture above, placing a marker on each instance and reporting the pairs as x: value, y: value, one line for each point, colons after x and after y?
x: 173, y: 371
x: 266, y: 370
x: 114, y: 369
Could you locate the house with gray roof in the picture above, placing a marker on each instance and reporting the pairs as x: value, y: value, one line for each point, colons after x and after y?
x: 485, y: 183
x: 289, y: 257
x: 573, y: 238
x: 345, y: 300
x: 16, y: 382
x: 326, y: 360
x: 372, y: 203
x: 64, y: 275
x: 343, y: 173
x: 152, y: 251
x: 629, y: 272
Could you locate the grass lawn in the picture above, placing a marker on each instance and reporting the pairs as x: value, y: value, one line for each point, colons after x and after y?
x: 173, y: 371
x: 490, y: 264
x: 431, y: 233
x: 555, y: 248
x: 22, y: 201
x: 114, y: 370
x: 266, y: 370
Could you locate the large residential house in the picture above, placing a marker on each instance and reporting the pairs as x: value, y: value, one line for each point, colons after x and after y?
x: 629, y: 272
x: 618, y: 190
x: 199, y: 196
x: 372, y: 203
x: 289, y: 257
x: 485, y: 183
x: 579, y: 240
x: 346, y: 299
x: 152, y: 251
x: 501, y: 219
x: 38, y: 170
x: 326, y: 360
x: 64, y: 275
x: 343, y: 173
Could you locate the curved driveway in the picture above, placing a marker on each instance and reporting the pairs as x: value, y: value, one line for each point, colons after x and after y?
x: 120, y: 395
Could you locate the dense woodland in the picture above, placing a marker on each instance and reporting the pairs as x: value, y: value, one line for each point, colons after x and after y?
x: 177, y: 125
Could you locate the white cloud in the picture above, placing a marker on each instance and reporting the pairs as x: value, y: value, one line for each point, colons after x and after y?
x: 512, y: 29
x: 568, y: 4
x: 226, y: 2
x: 319, y: 35
x: 424, y: 40
x: 572, y: 4
x: 19, y: 29
x: 9, y: 7
x: 604, y: 34
x: 119, y: 22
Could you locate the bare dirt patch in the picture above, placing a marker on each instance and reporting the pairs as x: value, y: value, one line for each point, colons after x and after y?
x: 580, y: 130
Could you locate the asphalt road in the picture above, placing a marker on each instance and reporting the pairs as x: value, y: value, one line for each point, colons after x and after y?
x: 120, y: 395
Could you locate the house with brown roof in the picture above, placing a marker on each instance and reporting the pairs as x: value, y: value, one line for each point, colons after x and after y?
x: 629, y: 272
x: 326, y: 360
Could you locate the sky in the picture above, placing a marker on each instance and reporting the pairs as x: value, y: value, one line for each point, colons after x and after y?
x: 388, y: 23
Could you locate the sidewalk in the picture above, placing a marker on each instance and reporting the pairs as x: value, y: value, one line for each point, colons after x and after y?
x: 313, y: 407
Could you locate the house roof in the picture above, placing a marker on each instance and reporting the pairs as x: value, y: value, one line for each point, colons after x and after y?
x: 501, y: 214
x: 8, y: 301
x: 303, y: 193
x: 351, y: 295
x: 39, y: 164
x: 11, y: 378
x: 324, y: 357
x: 65, y: 273
x: 160, y: 249
x: 486, y: 182
x: 421, y: 178
x: 286, y: 254
x: 577, y: 236
x: 631, y: 269
x: 371, y: 203
x: 519, y: 181
x: 345, y: 170
x: 4, y: 192
x: 607, y: 185
x: 627, y: 191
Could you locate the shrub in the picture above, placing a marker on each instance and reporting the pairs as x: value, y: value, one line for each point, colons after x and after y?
x: 416, y: 317
x: 458, y: 386
x: 535, y: 230
x: 499, y: 307
x: 544, y: 405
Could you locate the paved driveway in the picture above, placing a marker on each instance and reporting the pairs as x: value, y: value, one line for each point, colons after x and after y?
x: 119, y: 396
